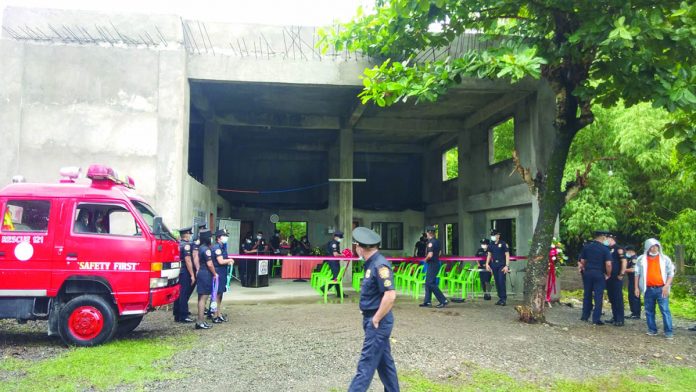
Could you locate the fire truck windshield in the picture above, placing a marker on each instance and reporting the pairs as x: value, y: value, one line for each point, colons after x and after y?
x: 147, y: 213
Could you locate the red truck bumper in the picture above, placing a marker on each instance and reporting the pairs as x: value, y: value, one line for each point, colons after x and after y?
x: 163, y: 296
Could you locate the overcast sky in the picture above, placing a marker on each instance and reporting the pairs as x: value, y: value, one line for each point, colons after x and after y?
x: 276, y: 12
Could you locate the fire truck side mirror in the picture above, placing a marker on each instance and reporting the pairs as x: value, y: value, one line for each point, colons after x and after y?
x: 157, y: 227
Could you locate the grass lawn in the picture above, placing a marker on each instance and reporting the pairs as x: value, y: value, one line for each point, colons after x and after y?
x: 123, y: 362
x: 655, y: 378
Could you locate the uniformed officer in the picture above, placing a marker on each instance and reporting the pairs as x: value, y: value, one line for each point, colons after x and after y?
x: 595, y: 267
x: 333, y: 248
x: 221, y: 263
x: 260, y: 245
x: 633, y: 300
x: 377, y: 297
x: 205, y: 276
x: 420, y: 247
x: 484, y: 274
x: 498, y: 263
x: 432, y: 258
x: 187, y: 277
x: 615, y: 282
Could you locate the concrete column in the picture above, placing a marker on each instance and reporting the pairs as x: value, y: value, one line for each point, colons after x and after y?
x: 211, y: 152
x: 467, y: 236
x: 11, y: 64
x: 345, y: 192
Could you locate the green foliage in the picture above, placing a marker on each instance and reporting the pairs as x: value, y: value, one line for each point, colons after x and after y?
x: 681, y: 230
x: 131, y: 363
x: 503, y: 140
x: 451, y: 157
x: 650, y: 182
x: 298, y: 229
x: 606, y: 50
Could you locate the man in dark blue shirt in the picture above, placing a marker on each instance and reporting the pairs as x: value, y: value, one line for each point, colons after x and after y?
x: 595, y: 267
x: 633, y: 299
x: 187, y: 277
x: 432, y: 258
x: 420, y: 247
x: 333, y: 248
x: 377, y: 297
x: 498, y: 262
x: 615, y: 282
x: 484, y: 275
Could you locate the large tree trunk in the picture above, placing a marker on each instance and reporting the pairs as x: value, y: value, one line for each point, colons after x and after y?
x: 551, y: 200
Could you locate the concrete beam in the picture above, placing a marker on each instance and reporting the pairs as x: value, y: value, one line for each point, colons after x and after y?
x: 355, y: 115
x: 403, y: 148
x: 409, y: 124
x: 494, y: 108
x: 279, y: 120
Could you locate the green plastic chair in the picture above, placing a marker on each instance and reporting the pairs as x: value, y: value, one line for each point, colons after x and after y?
x: 441, y: 274
x: 419, y: 282
x: 459, y: 280
x: 449, y: 276
x: 327, y: 282
x: 277, y: 265
x: 399, y: 272
x: 314, y: 277
x: 399, y: 280
x: 410, y: 280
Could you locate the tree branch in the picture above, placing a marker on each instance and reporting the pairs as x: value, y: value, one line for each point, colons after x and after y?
x: 581, y: 180
x: 534, y: 183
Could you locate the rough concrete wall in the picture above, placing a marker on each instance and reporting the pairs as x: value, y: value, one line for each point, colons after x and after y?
x: 195, y: 203
x: 11, y: 73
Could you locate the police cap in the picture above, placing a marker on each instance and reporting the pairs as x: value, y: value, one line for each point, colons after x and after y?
x: 494, y: 232
x: 430, y: 229
x: 365, y: 236
x: 201, y: 226
x: 186, y: 230
x: 630, y: 247
x: 205, y: 234
x: 599, y: 233
x: 485, y: 241
x: 338, y: 233
x: 220, y: 233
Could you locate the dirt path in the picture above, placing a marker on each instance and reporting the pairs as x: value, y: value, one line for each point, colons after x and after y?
x: 315, y: 347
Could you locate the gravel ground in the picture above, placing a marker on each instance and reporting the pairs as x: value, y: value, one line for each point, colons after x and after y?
x: 315, y: 347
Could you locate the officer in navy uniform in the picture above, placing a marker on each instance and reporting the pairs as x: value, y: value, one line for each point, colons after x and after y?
x: 615, y: 282
x: 205, y: 276
x: 633, y: 300
x: 187, y: 277
x: 260, y: 245
x: 595, y: 266
x: 221, y: 263
x: 333, y: 248
x: 377, y: 297
x: 498, y: 263
x: 484, y: 275
x: 432, y: 258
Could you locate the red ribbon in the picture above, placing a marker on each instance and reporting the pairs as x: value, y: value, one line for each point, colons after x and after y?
x: 551, y: 279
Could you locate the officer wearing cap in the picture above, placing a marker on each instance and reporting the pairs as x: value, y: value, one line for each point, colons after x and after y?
x: 595, y: 267
x: 633, y: 299
x: 194, y: 248
x: 615, y: 282
x: 498, y: 263
x: 333, y: 248
x: 187, y: 277
x: 484, y: 274
x: 221, y: 263
x: 205, y: 276
x: 377, y: 297
x: 432, y: 258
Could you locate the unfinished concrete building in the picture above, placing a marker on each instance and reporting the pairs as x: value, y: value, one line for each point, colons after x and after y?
x: 245, y: 122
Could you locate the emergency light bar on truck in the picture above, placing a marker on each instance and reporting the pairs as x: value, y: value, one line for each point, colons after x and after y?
x: 91, y: 259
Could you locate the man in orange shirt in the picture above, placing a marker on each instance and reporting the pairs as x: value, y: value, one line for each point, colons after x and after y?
x: 654, y: 275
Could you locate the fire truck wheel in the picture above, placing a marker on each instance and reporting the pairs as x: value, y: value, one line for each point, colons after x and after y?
x: 87, y: 320
x: 127, y: 325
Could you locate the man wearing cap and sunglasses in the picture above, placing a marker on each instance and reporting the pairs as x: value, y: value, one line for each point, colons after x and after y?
x: 377, y: 298
x: 498, y: 262
x: 432, y: 258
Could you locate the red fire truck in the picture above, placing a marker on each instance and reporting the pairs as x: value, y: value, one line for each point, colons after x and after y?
x: 92, y: 259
